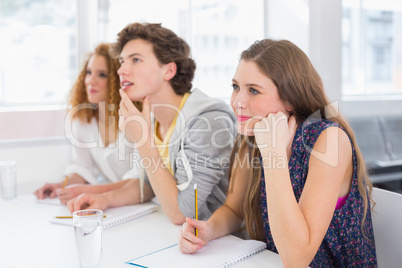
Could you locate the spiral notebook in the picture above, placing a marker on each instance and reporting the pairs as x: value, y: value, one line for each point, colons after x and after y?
x: 117, y: 215
x: 222, y: 252
x: 50, y: 201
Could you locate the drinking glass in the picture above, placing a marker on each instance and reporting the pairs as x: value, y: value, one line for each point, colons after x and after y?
x: 8, y: 179
x: 88, y: 236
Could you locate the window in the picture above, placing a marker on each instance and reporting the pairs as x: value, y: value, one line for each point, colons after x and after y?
x: 371, y: 47
x: 37, y: 51
x: 221, y: 30
x: 42, y: 44
x: 172, y: 15
x: 216, y: 31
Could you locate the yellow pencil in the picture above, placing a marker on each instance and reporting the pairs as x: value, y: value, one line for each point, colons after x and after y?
x: 70, y: 217
x: 65, y: 182
x: 196, y: 206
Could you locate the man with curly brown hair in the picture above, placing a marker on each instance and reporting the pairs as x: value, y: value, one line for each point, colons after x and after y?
x: 188, y: 142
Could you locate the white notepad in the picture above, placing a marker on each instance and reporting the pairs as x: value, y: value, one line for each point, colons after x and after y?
x: 221, y: 252
x: 117, y: 215
x: 50, y: 201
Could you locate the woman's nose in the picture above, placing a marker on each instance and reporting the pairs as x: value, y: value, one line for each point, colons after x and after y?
x: 240, y: 100
x: 91, y: 79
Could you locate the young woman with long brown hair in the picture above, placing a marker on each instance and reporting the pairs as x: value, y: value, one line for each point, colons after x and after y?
x: 298, y: 179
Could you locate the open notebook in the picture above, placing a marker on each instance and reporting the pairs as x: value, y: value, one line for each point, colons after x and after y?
x: 117, y: 215
x: 50, y: 201
x: 221, y: 252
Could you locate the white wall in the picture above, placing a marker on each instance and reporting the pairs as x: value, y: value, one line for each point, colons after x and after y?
x: 325, y: 46
x: 36, y: 140
x: 38, y: 160
x: 26, y: 124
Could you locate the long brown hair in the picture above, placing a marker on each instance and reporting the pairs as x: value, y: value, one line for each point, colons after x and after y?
x: 301, y: 88
x: 78, y: 94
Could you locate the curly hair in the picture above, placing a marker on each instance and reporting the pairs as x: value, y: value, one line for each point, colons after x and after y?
x: 78, y: 94
x: 167, y: 47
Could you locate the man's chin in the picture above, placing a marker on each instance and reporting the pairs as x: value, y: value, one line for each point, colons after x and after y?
x: 135, y: 97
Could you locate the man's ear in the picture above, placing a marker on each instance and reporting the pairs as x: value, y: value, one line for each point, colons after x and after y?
x: 171, y: 69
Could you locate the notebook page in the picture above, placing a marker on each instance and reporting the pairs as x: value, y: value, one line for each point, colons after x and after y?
x: 115, y: 216
x: 221, y: 252
x: 123, y: 214
x: 50, y: 201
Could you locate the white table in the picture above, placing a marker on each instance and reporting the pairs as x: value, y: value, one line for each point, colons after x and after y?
x: 27, y: 239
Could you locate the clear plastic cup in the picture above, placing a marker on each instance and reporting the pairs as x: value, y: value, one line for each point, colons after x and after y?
x: 88, y: 230
x: 8, y: 179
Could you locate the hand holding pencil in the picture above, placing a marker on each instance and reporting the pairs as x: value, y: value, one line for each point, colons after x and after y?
x: 194, y: 234
x: 48, y: 190
x: 188, y: 241
x: 60, y: 189
x: 72, y: 189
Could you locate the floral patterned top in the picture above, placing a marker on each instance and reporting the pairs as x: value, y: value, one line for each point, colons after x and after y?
x: 344, y: 244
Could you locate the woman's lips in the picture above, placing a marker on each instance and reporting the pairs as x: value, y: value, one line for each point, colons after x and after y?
x: 242, y: 118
